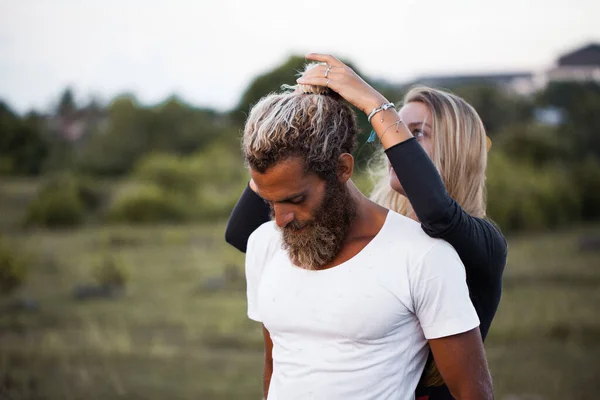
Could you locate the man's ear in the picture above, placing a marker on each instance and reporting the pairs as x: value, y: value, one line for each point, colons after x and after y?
x: 345, y: 167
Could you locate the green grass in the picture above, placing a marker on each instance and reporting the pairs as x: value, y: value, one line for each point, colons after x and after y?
x: 173, y: 337
x: 169, y: 337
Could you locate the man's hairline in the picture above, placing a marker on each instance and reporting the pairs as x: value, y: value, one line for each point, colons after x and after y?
x: 305, y: 173
x: 289, y: 157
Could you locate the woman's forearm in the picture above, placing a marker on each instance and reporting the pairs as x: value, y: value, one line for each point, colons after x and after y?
x: 420, y: 180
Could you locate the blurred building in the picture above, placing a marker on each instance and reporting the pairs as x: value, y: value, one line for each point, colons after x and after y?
x: 517, y: 82
x: 76, y: 125
x: 580, y: 65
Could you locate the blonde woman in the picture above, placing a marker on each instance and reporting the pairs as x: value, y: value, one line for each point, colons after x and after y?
x: 437, y: 151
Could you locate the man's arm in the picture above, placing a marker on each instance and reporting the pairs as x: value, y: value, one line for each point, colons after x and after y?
x: 450, y: 323
x: 463, y: 366
x: 268, y: 369
x: 257, y: 256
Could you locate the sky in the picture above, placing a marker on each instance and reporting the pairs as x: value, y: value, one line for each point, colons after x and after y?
x: 208, y: 52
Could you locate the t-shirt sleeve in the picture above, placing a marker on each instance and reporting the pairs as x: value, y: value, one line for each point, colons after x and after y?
x: 440, y: 294
x: 260, y: 248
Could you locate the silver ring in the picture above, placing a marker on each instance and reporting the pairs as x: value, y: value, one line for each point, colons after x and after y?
x: 327, y: 84
x: 327, y: 72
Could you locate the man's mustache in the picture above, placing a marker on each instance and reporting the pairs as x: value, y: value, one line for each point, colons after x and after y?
x: 295, y: 226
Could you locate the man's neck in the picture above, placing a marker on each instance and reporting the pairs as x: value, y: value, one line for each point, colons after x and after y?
x: 367, y: 223
x: 369, y: 217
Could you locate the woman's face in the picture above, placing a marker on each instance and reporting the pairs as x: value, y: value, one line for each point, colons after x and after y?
x: 417, y: 117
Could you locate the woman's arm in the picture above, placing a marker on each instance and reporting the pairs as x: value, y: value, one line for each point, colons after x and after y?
x: 477, y: 241
x: 250, y: 212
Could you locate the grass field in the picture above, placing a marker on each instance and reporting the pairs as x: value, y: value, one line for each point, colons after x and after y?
x: 180, y: 331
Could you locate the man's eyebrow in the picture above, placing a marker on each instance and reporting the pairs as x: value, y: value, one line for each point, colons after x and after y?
x: 286, y: 199
x: 418, y: 125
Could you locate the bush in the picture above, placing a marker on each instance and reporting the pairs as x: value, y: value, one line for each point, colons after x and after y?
x: 63, y: 200
x: 536, y: 144
x: 586, y: 176
x: 149, y: 203
x: 111, y: 271
x: 90, y: 193
x: 56, y: 205
x: 203, y: 186
x: 168, y: 172
x: 222, y: 179
x: 13, y: 268
x: 216, y: 202
x: 219, y: 164
x: 521, y: 197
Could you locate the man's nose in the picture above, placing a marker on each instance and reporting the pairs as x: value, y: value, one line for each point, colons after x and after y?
x: 283, y: 215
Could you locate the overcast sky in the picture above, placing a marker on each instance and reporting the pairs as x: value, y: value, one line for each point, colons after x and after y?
x: 208, y: 51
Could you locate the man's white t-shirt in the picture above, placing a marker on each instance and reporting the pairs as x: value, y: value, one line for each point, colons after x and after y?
x: 358, y: 330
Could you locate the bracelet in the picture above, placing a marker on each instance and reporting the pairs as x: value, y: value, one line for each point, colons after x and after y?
x: 373, y: 135
x: 382, y: 107
x: 397, y: 123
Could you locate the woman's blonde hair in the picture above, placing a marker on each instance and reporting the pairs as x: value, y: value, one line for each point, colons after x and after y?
x: 460, y: 156
x: 459, y: 153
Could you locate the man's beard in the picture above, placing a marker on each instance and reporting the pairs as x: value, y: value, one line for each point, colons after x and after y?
x: 323, y: 237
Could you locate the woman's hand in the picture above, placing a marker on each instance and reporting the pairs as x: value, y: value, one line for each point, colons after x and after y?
x: 342, y: 79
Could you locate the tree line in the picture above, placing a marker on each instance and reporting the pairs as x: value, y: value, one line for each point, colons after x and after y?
x: 544, y: 167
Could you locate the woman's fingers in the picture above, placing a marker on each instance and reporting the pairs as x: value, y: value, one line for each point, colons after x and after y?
x: 337, y: 76
x: 318, y: 78
x: 326, y: 58
x: 320, y: 71
x: 317, y: 81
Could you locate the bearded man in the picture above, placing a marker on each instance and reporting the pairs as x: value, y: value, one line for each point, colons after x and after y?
x: 350, y: 294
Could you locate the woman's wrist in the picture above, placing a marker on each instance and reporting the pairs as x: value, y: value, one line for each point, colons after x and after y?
x: 390, y: 128
x: 374, y: 102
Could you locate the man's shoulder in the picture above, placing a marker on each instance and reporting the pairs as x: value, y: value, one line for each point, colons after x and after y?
x: 265, y: 231
x: 404, y: 239
x: 403, y: 230
x: 264, y: 239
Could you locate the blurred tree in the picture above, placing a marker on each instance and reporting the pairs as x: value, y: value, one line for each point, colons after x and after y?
x: 534, y: 144
x: 586, y: 177
x: 497, y: 108
x: 271, y: 81
x: 580, y: 102
x: 114, y: 149
x: 524, y: 197
x: 130, y: 131
x: 391, y: 91
x: 66, y: 104
x: 23, y: 147
x: 174, y: 126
